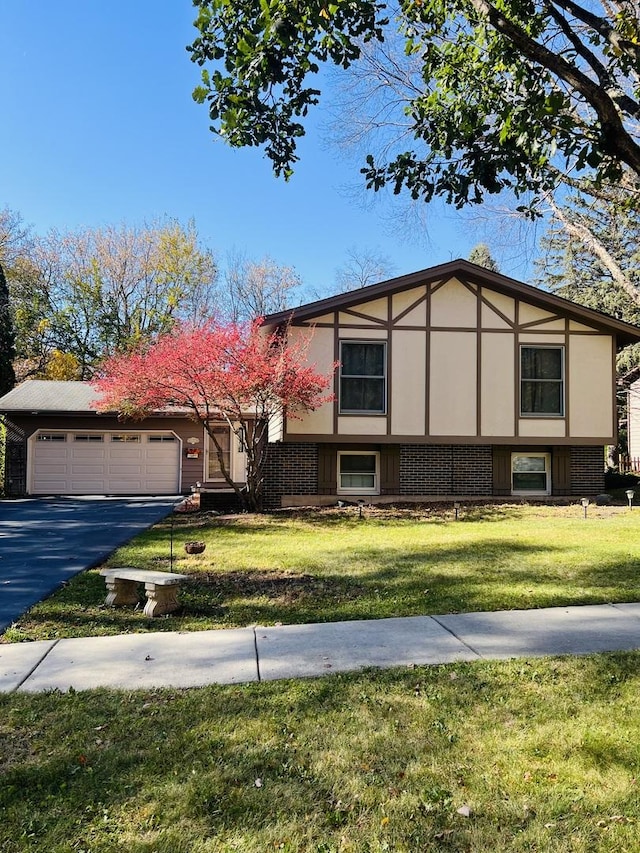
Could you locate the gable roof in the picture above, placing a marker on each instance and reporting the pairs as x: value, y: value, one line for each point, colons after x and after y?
x: 626, y: 333
x: 44, y: 395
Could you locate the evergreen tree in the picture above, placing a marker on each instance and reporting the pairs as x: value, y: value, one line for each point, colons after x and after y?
x: 7, y: 339
x: 583, y: 270
x: 481, y: 255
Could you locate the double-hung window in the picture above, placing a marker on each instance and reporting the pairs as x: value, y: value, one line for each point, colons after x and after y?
x: 358, y: 472
x: 542, y: 380
x: 363, y: 377
x: 531, y: 473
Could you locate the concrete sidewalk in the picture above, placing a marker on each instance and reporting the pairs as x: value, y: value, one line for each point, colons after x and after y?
x: 142, y: 661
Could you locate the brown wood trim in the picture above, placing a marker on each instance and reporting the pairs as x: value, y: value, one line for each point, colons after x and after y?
x: 478, y: 363
x: 336, y: 381
x: 566, y: 361
x: 438, y: 285
x: 519, y: 441
x: 389, y: 382
x: 427, y: 372
x: 370, y: 328
x: 472, y: 288
x: 549, y: 332
x: 497, y: 311
x: 552, y: 319
x: 361, y: 316
x: 516, y: 355
x: 408, y: 310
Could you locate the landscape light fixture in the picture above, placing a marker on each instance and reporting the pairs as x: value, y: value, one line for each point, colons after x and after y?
x: 630, y: 496
x: 585, y: 504
x: 360, y: 505
x: 456, y: 507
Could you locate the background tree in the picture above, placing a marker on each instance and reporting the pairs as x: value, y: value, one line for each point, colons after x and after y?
x: 516, y: 96
x: 590, y: 253
x: 7, y: 339
x: 85, y: 293
x: 254, y: 289
x: 361, y: 268
x: 232, y: 373
x: 481, y: 255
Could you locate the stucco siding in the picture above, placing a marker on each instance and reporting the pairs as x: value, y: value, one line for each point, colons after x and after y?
x: 408, y: 383
x: 320, y: 354
x: 497, y: 389
x: 452, y: 383
x: 591, y: 385
x: 454, y: 305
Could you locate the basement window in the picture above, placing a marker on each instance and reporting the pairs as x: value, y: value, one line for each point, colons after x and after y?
x: 358, y: 472
x: 531, y: 473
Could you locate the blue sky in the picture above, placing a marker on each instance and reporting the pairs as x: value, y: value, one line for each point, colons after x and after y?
x: 98, y: 127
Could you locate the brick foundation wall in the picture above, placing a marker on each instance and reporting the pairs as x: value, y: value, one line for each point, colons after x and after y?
x: 446, y: 469
x: 435, y: 470
x: 290, y: 469
x: 587, y: 471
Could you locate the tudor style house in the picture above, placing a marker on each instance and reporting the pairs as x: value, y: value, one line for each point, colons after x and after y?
x: 454, y: 382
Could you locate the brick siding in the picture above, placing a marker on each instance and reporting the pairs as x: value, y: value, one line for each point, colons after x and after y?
x: 436, y: 470
x: 290, y: 469
x: 430, y: 469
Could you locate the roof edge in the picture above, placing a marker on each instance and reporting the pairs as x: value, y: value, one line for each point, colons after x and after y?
x: 625, y: 332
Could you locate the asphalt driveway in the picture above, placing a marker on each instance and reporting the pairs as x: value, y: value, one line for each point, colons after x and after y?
x: 45, y: 541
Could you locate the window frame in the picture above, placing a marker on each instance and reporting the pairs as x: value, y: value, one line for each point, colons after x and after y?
x: 561, y: 381
x: 547, y: 471
x: 363, y: 412
x: 373, y: 490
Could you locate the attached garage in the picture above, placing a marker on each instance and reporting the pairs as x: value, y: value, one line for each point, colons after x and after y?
x: 104, y: 462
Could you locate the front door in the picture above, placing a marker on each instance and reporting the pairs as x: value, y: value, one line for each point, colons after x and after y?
x: 223, y: 437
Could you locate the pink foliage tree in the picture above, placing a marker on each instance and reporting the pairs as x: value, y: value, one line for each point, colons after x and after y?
x: 233, y: 373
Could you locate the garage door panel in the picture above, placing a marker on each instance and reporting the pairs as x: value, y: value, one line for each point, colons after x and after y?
x: 123, y: 470
x: 123, y: 466
x: 48, y: 468
x: 86, y: 469
x: 126, y: 487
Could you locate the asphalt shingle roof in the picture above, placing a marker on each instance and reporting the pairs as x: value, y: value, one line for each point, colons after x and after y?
x: 40, y: 395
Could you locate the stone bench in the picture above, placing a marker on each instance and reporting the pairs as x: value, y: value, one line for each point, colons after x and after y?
x: 161, y: 589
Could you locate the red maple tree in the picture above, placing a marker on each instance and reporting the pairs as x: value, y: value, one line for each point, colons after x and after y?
x: 233, y: 373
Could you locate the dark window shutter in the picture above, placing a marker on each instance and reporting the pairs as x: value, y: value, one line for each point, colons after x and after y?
x: 327, y: 469
x: 390, y: 469
x: 561, y: 471
x: 501, y: 470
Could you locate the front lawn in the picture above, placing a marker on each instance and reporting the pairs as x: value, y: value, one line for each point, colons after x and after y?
x: 315, y: 566
x: 510, y: 756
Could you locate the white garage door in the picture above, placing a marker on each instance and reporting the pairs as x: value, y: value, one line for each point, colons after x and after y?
x: 104, y: 463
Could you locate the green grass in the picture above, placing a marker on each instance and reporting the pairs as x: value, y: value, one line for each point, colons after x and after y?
x: 330, y: 565
x: 379, y: 761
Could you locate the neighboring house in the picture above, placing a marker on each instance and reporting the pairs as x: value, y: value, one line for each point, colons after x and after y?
x: 58, y: 444
x: 455, y: 382
x: 631, y: 388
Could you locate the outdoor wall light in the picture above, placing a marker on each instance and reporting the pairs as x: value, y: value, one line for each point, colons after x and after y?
x: 585, y: 504
x: 630, y: 496
x: 456, y: 507
x: 198, y: 485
